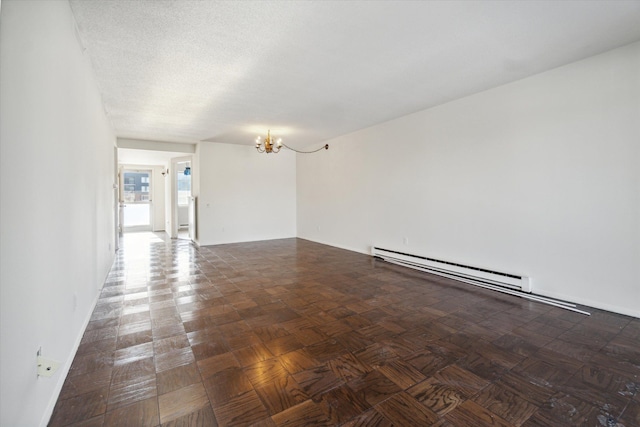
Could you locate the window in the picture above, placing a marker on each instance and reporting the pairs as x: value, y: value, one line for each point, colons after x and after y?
x: 136, y: 186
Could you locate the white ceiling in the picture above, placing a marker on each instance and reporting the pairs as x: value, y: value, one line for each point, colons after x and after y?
x: 227, y: 71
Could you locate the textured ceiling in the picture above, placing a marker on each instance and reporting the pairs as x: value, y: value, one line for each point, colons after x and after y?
x: 309, y: 71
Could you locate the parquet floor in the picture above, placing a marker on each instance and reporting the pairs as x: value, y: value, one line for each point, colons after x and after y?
x: 294, y: 333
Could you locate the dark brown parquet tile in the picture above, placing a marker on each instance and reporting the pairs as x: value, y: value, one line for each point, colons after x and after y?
x: 182, y: 401
x: 470, y: 413
x: 370, y: 418
x: 282, y: 345
x: 309, y: 336
x: 565, y: 410
x: 515, y: 344
x: 133, y: 353
x: 534, y: 391
x: 317, y: 381
x: 483, y: 366
x: 205, y: 335
x: 574, y: 350
x: 348, y: 367
x: 353, y: 341
x: 401, y: 373
x: 252, y: 354
x: 226, y: 385
x: 135, y: 326
x: 376, y: 355
x: 438, y: 397
x: 245, y: 409
x: 304, y: 414
x: 294, y: 333
x: 298, y: 360
x: 172, y: 343
x: 135, y: 371
x: 143, y: 414
x: 203, y: 417
x: 81, y: 384
x: 342, y: 404
x: 135, y: 338
x: 265, y: 331
x: 262, y: 373
x: 403, y: 410
x: 241, y: 340
x: 94, y: 335
x: 374, y: 387
x: 508, y: 405
x: 92, y: 362
x: 326, y: 350
x: 167, y: 331
x: 215, y: 364
x: 280, y: 394
x: 91, y: 422
x: 631, y: 415
x: 132, y: 391
x: 600, y: 387
x: 80, y: 407
x: 173, y: 379
x: 208, y: 349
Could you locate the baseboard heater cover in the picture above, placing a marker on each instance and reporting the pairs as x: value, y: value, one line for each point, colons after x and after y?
x: 508, y: 283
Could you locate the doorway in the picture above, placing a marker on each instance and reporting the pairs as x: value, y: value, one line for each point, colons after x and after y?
x: 135, y: 200
x: 183, y: 198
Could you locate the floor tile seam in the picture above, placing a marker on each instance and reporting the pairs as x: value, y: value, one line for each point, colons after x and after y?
x: 625, y: 408
x: 206, y: 390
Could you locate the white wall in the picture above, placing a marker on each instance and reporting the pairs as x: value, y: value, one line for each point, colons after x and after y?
x: 57, y: 202
x: 244, y: 195
x: 539, y: 177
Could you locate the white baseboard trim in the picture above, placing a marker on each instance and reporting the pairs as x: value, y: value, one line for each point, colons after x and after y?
x: 64, y: 369
x: 589, y: 303
x: 569, y: 298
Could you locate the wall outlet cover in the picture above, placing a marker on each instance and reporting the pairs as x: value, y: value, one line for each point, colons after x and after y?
x: 47, y: 367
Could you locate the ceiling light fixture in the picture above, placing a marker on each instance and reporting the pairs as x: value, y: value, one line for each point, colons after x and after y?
x: 271, y: 146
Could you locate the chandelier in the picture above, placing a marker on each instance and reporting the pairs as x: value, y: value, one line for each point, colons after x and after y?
x: 270, y: 145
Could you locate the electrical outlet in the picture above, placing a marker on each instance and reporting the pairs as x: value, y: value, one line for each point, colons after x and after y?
x: 46, y: 367
x: 405, y: 240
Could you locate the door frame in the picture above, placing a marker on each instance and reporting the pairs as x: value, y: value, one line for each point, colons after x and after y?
x: 121, y: 170
x: 174, y: 192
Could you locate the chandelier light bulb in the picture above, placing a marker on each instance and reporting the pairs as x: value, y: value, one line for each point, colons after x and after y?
x: 273, y: 145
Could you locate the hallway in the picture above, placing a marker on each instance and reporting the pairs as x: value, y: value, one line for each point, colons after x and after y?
x: 290, y: 332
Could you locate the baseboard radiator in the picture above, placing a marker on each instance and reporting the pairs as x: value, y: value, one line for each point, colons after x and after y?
x: 507, y: 283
